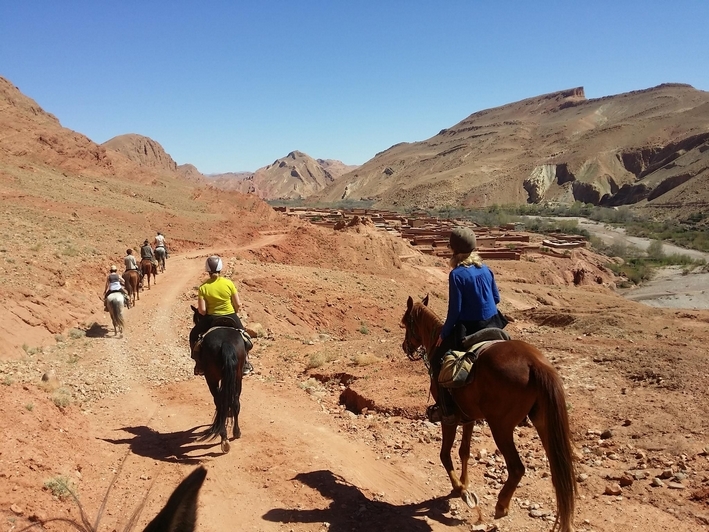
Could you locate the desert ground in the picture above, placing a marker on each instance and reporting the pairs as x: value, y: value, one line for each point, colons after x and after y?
x: 334, y: 433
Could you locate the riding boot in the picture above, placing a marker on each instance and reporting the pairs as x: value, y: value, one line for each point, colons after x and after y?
x: 198, y: 369
x: 447, y: 406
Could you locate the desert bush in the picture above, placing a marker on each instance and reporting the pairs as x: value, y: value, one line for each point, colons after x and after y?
x: 364, y: 359
x: 76, y: 333
x: 320, y: 358
x: 61, y: 398
x: 60, y: 486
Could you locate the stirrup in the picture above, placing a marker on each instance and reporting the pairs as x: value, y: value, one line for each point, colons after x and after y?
x: 433, y: 413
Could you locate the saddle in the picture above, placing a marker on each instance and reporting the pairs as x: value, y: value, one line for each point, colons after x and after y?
x: 223, y: 322
x: 457, y: 366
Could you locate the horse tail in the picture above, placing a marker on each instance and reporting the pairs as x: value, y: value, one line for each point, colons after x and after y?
x: 227, y: 389
x: 116, y: 306
x: 556, y: 436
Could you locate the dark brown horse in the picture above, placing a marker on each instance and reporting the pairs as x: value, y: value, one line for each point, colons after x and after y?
x: 510, y: 380
x: 132, y: 278
x: 222, y: 353
x: 148, y: 267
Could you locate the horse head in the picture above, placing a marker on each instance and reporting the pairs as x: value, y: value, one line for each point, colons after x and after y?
x: 412, y: 339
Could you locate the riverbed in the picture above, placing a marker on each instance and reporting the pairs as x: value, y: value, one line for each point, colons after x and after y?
x: 671, y: 287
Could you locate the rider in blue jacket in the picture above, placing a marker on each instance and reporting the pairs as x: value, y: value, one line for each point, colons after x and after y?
x: 472, y: 306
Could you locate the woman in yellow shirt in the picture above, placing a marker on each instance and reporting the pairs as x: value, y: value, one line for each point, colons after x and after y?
x: 218, y: 298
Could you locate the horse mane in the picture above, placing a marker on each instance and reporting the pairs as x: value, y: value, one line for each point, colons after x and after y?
x: 427, y: 314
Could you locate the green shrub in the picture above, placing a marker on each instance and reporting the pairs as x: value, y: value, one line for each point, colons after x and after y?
x: 60, y: 486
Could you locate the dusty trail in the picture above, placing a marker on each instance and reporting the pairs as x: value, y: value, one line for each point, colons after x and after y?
x: 291, y: 470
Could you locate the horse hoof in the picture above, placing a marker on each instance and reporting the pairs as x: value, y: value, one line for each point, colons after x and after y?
x: 469, y: 498
x: 237, y: 434
x: 501, y: 512
x: 225, y: 446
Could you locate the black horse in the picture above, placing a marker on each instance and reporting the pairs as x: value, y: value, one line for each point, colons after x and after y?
x: 222, y: 354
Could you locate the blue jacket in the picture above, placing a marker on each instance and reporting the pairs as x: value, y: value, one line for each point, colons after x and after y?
x: 472, y: 296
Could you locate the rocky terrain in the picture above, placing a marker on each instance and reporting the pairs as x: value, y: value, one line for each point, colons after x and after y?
x: 647, y: 148
x: 334, y: 433
x: 295, y: 176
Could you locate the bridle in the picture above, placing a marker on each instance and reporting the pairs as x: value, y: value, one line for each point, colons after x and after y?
x: 410, y: 339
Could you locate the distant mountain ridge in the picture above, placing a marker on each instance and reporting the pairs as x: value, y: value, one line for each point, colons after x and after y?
x: 644, y: 147
x: 295, y: 176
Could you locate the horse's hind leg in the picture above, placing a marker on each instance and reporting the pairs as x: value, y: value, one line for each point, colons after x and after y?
x: 503, y: 434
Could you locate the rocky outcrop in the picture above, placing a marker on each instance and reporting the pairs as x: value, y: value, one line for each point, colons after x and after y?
x: 142, y: 150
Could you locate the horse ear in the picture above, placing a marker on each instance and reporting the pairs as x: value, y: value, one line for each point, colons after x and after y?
x: 425, y: 301
x: 180, y: 512
x: 410, y: 303
x: 194, y: 308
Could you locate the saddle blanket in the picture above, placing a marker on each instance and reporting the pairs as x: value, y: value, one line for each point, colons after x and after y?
x: 457, y: 366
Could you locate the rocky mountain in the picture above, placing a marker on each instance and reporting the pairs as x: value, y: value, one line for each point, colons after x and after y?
x: 294, y: 176
x: 142, y: 150
x: 648, y: 147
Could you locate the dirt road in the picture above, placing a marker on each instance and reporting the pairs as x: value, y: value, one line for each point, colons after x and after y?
x: 290, y: 465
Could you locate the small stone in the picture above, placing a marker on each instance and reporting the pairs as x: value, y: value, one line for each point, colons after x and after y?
x: 537, y: 513
x: 639, y: 475
x: 583, y: 477
x: 675, y: 486
x: 613, y: 489
x: 627, y: 423
x: 16, y: 509
x: 657, y: 483
x: 626, y: 480
x: 667, y: 473
x: 679, y: 477
x: 608, y: 433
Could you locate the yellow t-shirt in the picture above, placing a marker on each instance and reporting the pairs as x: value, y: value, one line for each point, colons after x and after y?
x: 217, y: 295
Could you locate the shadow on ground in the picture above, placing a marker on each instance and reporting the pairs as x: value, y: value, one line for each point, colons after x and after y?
x: 351, y: 510
x: 176, y: 447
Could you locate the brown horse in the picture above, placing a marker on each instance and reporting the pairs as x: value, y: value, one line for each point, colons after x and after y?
x: 148, y: 267
x: 132, y: 278
x: 510, y: 380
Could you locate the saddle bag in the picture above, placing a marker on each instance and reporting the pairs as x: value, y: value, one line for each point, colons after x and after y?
x: 455, y: 368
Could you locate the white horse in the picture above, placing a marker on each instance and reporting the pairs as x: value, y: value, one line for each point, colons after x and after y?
x: 115, y: 309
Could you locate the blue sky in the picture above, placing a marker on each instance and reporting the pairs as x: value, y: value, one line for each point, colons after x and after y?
x: 232, y: 85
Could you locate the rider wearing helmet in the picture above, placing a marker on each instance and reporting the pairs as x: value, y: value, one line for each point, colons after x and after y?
x: 218, y: 298
x: 114, y: 283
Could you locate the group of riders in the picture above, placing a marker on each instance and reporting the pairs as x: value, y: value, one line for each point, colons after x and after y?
x: 218, y: 297
x: 472, y: 305
x: 116, y: 283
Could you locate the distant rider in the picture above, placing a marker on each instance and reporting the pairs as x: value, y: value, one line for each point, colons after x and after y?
x: 160, y: 243
x: 131, y: 264
x: 114, y: 284
x: 146, y: 252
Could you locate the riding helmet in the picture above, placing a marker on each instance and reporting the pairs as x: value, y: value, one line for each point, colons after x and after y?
x: 213, y: 264
x: 462, y: 240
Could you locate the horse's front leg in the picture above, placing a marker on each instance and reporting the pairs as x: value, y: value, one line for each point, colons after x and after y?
x: 448, y: 438
x: 468, y: 497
